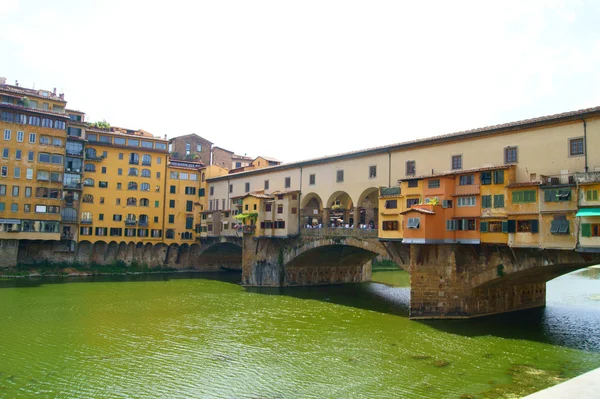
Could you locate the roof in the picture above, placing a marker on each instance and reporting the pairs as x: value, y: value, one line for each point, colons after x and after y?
x: 120, y: 131
x: 255, y: 195
x: 189, y: 135
x: 270, y: 159
x: 242, y: 157
x: 222, y: 149
x: 32, y: 92
x: 466, y: 134
x: 34, y: 110
x: 525, y: 184
x: 420, y: 210
x: 459, y: 172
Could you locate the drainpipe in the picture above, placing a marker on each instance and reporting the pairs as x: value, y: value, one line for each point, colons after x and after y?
x: 585, y: 145
x: 300, y: 201
x: 389, y: 169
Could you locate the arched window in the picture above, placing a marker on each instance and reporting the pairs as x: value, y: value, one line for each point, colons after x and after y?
x: 143, y: 220
x: 132, y: 185
x: 170, y: 233
x: 144, y: 202
x: 89, y: 167
x: 146, y: 173
x: 90, y: 153
x: 86, y: 217
x: 89, y: 198
x: 145, y: 186
x: 186, y: 235
x: 146, y: 160
x: 88, y: 182
x: 133, y: 172
x: 131, y: 201
x: 130, y: 217
x: 134, y: 159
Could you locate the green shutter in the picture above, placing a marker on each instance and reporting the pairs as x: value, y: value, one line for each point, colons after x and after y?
x: 586, y: 230
x: 483, y: 226
x: 505, y: 226
x: 512, y: 226
x: 535, y: 226
x: 201, y: 192
x: 550, y: 195
x: 529, y: 196
x: 516, y: 197
x: 189, y: 223
x: 594, y: 195
x: 499, y: 201
x: 486, y: 201
x: 498, y: 176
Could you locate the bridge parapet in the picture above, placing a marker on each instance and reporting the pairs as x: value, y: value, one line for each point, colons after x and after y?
x: 339, y: 232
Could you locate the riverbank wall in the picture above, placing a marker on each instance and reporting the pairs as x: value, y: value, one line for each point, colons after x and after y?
x: 211, y: 254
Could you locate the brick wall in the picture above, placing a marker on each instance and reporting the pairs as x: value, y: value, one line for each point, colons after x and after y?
x: 178, y: 147
x: 222, y: 158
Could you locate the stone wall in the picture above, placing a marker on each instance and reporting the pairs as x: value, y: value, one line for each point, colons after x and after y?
x: 222, y: 157
x: 206, y: 255
x: 9, y: 250
x: 178, y: 147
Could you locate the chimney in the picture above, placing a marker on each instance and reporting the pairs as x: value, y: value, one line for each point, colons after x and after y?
x: 17, y: 83
x: 54, y: 91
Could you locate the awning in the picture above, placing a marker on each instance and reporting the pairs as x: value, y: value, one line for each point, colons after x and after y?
x: 10, y: 221
x: 588, y: 212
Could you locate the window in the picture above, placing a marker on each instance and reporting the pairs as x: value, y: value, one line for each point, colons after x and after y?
x: 391, y: 204
x: 189, y: 223
x: 14, y: 207
x: 6, y: 134
x: 146, y: 173
x: 189, y: 206
x: 486, y: 201
x: 523, y: 196
x: 132, y: 185
x: 190, y: 190
x: 171, y: 203
x: 133, y: 143
x: 86, y: 182
x: 170, y: 233
x: 103, y: 184
x: 267, y: 184
x: 413, y: 183
x: 27, y: 208
x: 32, y: 138
x: 202, y: 192
x: 131, y: 201
x: 411, y: 168
x: 120, y: 154
x: 18, y: 154
x: 45, y: 140
x: 211, y: 190
x: 134, y: 159
x: 20, y: 137
x: 100, y: 231
x: 146, y: 160
x: 485, y: 178
x: 466, y: 224
x: 576, y: 146
x: 490, y: 227
x: 86, y: 217
x: 590, y: 195
x: 279, y: 208
x: 288, y: 182
x: 171, y: 218
x: 466, y: 201
x: 100, y: 216
x: 188, y: 148
x: 557, y: 195
x: 498, y: 200
x: 510, y: 155
x: 2, y: 189
x: 527, y: 226
x: 466, y: 180
x: 433, y: 183
x: 390, y: 225
x: 560, y: 225
x: 145, y: 187
x: 456, y: 162
x: 88, y: 198
x: 119, y: 186
x: 173, y: 189
x: 412, y: 201
x: 15, y: 191
x: 85, y: 231
x: 280, y: 224
x: 590, y: 230
x: 17, y: 173
x: 147, y: 144
x: 118, y: 200
x: 498, y: 177
x: 30, y: 156
x: 372, y: 172
x: 312, y: 179
x: 198, y: 147
x: 117, y: 218
x: 339, y: 176
x: 247, y: 187
x: 413, y: 223
x: 116, y: 231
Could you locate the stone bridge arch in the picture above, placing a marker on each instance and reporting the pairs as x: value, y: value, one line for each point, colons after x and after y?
x: 311, y: 209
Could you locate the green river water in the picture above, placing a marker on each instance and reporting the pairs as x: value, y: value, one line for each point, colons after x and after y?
x: 205, y: 336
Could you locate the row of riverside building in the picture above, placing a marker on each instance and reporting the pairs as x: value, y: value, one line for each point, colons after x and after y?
x: 530, y: 183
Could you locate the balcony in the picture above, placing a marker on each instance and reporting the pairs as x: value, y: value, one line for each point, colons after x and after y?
x: 94, y: 158
x: 589, y: 177
x: 75, y: 153
x: 558, y: 180
x: 339, y: 232
x: 66, y: 236
x: 130, y: 222
x: 72, y: 186
x: 469, y: 189
x: 249, y: 229
x: 86, y: 221
x: 70, y: 219
x: 143, y: 223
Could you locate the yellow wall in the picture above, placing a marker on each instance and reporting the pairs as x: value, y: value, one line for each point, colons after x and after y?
x: 111, y: 206
x: 180, y: 201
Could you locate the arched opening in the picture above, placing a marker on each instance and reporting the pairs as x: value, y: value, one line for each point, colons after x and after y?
x: 366, y: 211
x: 339, y: 205
x: 311, y: 211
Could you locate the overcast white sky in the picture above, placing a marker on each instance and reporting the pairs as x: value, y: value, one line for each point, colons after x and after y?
x: 300, y: 79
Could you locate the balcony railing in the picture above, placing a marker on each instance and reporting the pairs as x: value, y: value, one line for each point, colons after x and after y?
x: 143, y: 223
x: 249, y: 229
x: 86, y: 221
x: 73, y: 186
x: 70, y: 219
x: 130, y: 222
x: 558, y: 180
x: 589, y: 177
x: 92, y: 158
x: 75, y: 153
x: 339, y: 232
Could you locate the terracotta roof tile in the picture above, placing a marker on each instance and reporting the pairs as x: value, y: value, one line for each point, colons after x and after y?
x: 421, y: 210
x: 525, y: 184
x: 34, y: 110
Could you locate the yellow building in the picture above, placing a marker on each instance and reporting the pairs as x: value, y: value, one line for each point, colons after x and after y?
x: 494, y: 203
x: 33, y: 125
x: 390, y: 220
x: 523, y: 210
x: 123, y: 186
x: 588, y: 216
x: 216, y: 216
x: 182, y: 205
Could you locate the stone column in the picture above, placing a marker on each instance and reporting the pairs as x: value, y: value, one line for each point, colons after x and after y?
x: 346, y: 216
x: 356, y: 217
x: 326, y: 217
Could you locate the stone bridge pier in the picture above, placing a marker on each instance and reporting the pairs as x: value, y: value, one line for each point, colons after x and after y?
x: 324, y: 256
x: 462, y: 281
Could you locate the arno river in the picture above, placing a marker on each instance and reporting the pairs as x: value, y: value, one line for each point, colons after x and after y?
x: 205, y: 336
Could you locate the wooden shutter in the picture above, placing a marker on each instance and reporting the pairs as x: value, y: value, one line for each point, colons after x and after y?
x: 586, y: 230
x: 483, y: 226
x: 535, y: 226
